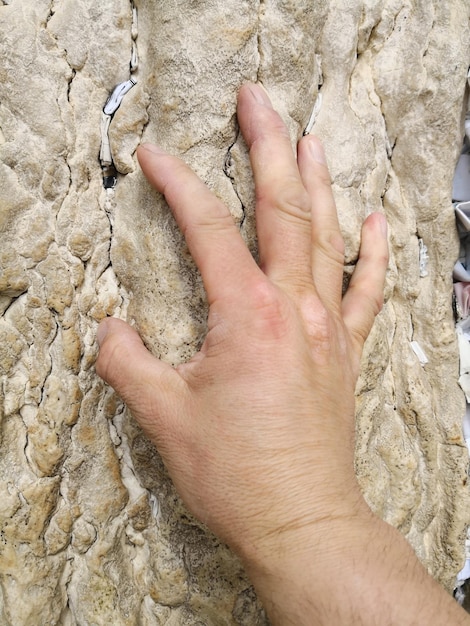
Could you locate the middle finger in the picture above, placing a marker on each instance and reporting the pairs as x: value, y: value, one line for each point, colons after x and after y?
x: 282, y: 203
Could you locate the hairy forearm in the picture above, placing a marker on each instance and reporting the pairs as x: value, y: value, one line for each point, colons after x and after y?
x: 360, y: 573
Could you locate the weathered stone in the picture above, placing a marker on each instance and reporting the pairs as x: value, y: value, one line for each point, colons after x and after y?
x: 91, y: 530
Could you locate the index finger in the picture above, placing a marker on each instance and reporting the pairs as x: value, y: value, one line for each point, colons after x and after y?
x: 206, y: 223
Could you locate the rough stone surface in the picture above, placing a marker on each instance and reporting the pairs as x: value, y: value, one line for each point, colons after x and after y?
x: 91, y: 530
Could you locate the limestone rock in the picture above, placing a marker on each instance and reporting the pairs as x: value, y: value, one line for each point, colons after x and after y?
x: 91, y: 529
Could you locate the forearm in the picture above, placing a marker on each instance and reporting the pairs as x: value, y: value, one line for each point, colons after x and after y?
x: 362, y: 572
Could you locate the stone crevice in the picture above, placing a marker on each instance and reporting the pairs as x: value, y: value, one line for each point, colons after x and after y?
x: 50, y: 13
x: 4, y: 312
x: 228, y: 165
x: 69, y: 84
x: 109, y: 164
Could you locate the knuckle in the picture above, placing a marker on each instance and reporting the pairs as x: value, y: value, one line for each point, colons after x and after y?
x: 371, y: 307
x: 291, y: 201
x: 269, y: 310
x: 209, y: 223
x: 264, y: 295
x: 331, y: 242
x: 268, y: 124
x: 318, y: 322
x: 294, y: 198
x: 360, y: 333
x: 372, y: 300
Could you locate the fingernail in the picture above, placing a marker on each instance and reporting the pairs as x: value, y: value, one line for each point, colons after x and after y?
x: 102, y: 331
x: 151, y: 147
x: 260, y: 94
x: 316, y: 150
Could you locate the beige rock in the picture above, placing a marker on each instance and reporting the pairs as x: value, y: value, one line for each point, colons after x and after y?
x: 91, y: 529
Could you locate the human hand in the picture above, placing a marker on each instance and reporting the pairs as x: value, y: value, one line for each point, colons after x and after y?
x: 257, y: 429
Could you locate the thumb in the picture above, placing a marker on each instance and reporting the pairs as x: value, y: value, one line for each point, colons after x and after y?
x: 153, y: 390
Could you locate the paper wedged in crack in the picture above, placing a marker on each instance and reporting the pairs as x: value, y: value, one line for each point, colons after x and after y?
x: 92, y: 530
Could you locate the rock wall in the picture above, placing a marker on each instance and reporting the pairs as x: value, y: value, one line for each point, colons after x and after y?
x: 91, y: 530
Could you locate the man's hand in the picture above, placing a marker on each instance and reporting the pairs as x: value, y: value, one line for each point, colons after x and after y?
x: 257, y: 429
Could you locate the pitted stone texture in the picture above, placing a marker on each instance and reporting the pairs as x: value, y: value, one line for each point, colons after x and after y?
x: 91, y: 530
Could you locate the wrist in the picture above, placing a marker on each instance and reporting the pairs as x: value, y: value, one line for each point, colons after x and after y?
x: 356, y: 571
x: 320, y: 539
x: 303, y: 572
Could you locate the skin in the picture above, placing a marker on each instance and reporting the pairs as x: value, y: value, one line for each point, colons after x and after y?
x: 257, y: 429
